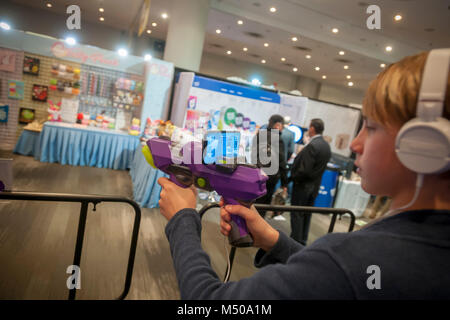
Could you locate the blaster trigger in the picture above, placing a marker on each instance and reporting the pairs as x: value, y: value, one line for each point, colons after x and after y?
x: 183, y: 175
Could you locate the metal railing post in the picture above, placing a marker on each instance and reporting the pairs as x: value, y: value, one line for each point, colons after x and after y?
x: 79, y: 244
x: 85, y: 200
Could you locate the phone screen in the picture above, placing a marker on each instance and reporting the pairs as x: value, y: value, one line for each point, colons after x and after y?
x: 221, y: 146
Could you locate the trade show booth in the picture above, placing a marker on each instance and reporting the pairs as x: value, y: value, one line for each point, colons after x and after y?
x: 76, y: 104
x: 85, y: 87
x: 85, y: 106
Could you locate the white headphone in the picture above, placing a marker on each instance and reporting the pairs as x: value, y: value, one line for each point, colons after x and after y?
x: 423, y: 143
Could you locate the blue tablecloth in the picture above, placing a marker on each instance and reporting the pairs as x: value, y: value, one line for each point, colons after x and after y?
x: 28, y: 144
x: 146, y: 190
x: 91, y: 147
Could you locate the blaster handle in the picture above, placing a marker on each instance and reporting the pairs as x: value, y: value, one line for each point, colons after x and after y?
x: 239, y: 235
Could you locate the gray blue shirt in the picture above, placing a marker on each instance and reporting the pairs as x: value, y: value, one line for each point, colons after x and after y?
x: 405, y: 256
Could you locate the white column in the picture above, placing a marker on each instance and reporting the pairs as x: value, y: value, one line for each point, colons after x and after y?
x: 186, y: 33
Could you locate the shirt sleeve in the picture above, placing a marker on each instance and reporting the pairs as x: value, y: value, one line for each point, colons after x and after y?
x: 280, y: 253
x: 307, y: 274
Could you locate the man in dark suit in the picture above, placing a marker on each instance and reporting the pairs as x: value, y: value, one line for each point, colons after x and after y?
x: 277, y: 168
x: 306, y: 173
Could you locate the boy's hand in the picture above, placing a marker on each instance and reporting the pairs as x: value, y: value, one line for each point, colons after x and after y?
x: 264, y: 236
x: 174, y: 198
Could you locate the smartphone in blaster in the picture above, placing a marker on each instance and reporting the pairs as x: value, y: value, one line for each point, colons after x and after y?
x: 221, y: 147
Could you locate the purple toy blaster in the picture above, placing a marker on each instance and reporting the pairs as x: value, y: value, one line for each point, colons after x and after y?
x: 237, y: 184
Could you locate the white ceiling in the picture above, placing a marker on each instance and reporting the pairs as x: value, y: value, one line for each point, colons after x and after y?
x: 425, y: 25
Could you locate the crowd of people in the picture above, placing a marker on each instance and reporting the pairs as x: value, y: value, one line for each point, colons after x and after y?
x: 305, y: 173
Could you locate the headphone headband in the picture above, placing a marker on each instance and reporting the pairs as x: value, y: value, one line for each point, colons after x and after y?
x: 434, y: 84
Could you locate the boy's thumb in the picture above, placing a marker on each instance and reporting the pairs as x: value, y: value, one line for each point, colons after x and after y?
x: 238, y: 210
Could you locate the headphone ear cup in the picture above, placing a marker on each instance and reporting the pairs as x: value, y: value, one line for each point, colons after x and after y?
x: 424, y: 147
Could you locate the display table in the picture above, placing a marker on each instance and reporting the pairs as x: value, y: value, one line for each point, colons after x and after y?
x: 351, y: 196
x: 86, y: 146
x: 144, y: 177
x: 28, y: 144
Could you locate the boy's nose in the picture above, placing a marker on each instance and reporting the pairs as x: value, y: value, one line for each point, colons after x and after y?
x: 357, y: 144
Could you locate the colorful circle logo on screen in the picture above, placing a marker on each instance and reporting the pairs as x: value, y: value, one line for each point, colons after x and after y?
x: 252, y: 126
x: 246, y: 123
x: 238, y: 121
x: 230, y: 116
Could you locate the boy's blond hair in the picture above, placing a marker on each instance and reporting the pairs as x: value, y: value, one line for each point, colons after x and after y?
x: 392, y: 96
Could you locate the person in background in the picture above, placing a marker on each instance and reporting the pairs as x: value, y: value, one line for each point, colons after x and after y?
x: 288, y: 138
x: 405, y: 254
x: 306, y: 173
x: 275, y: 123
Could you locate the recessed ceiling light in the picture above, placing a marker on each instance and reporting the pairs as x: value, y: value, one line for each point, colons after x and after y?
x: 388, y: 49
x: 164, y: 15
x: 398, y: 17
x: 341, y: 53
x: 218, y: 31
x: 324, y: 77
x: 101, y: 9
x: 228, y: 52
x: 240, y: 22
x: 335, y: 30
x: 294, y: 39
x: 345, y: 67
x: 245, y: 49
x: 122, y: 52
x: 266, y: 44
x: 317, y: 68
x: 382, y: 65
x: 5, y: 26
x: 294, y: 69
x: 308, y: 56
x: 154, y: 24
x: 148, y: 57
x: 283, y: 59
x: 149, y: 31
x: 263, y: 61
x: 49, y: 5
x: 350, y: 84
x: 349, y: 76
x: 273, y: 9
x: 101, y: 19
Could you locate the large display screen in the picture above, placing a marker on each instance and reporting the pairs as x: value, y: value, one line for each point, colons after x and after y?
x: 221, y: 146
